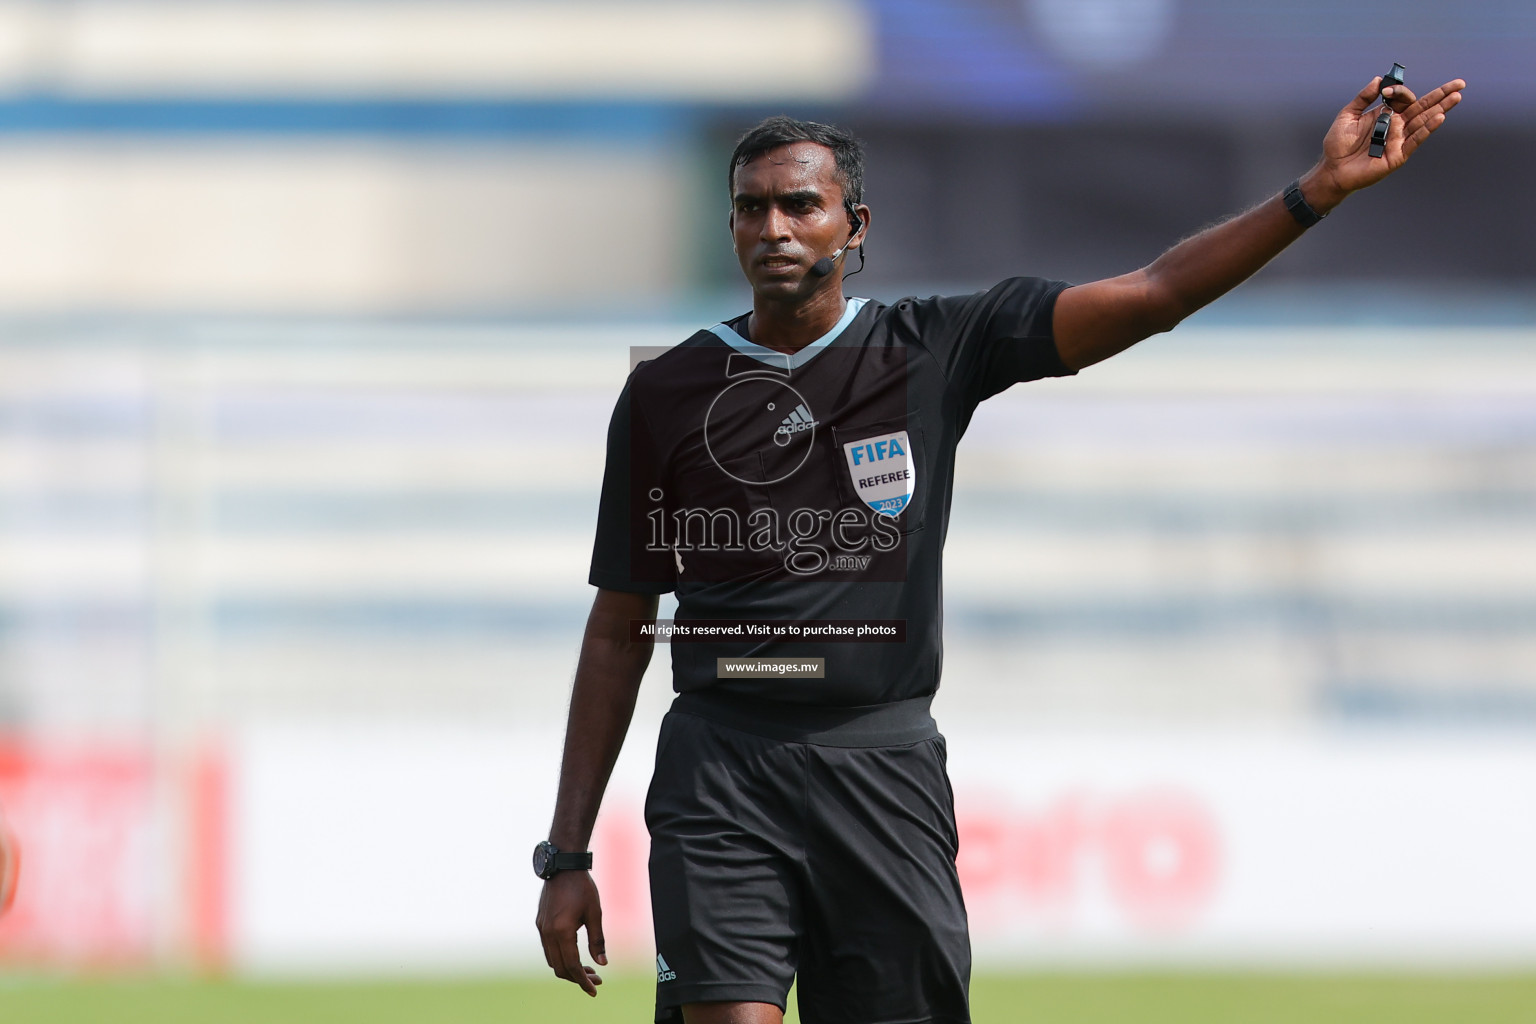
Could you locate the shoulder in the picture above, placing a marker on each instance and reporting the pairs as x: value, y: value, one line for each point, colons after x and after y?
x: 1012, y: 307
x: 659, y: 369
x: 1010, y: 291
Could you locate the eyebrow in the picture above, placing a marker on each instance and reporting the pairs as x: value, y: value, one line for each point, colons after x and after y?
x: 799, y: 195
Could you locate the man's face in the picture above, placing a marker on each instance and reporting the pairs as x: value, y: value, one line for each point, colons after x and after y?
x: 787, y: 213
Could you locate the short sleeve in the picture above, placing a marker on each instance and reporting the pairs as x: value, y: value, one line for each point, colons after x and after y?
x: 623, y: 555
x: 989, y: 341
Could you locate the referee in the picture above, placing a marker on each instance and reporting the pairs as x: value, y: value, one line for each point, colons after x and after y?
x: 787, y: 474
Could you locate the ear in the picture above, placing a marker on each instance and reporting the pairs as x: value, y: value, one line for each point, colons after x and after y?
x: 730, y: 226
x: 857, y: 238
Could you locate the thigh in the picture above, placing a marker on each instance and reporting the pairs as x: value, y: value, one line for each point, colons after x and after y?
x: 725, y: 895
x: 886, y: 938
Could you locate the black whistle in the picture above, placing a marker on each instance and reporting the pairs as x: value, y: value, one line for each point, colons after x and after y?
x: 1379, y: 130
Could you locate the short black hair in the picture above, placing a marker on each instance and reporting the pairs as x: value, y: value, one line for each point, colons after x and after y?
x: 780, y: 130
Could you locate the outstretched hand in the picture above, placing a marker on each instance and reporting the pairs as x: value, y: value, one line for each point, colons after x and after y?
x: 1347, y: 163
x: 1094, y: 321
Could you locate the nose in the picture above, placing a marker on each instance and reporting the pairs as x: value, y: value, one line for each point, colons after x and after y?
x: 775, y: 225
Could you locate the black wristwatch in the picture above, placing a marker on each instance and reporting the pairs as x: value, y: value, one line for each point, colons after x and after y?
x: 549, y: 861
x: 1299, y: 207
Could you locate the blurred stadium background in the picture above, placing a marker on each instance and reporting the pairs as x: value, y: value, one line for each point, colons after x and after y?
x: 311, y: 318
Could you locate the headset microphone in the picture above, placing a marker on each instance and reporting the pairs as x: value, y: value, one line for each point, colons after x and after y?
x: 823, y: 266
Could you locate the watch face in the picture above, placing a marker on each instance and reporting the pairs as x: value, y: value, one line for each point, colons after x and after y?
x: 541, y: 859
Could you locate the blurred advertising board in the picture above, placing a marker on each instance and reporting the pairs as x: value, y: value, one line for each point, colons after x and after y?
x: 108, y: 878
x: 1265, y: 849
x: 85, y: 822
x: 367, y: 850
x: 322, y: 850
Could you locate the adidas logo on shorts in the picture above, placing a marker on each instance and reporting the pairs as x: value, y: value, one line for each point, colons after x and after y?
x: 800, y: 419
x: 663, y: 972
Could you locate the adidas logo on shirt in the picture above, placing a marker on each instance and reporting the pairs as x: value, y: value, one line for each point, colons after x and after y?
x: 796, y: 421
x: 663, y: 972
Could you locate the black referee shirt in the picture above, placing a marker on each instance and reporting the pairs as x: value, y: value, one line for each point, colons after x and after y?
x: 765, y: 487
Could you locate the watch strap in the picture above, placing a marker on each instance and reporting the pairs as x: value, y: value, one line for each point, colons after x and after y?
x: 572, y: 861
x: 1299, y: 207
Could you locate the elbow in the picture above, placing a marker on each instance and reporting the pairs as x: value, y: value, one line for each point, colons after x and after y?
x: 1164, y: 304
x: 1150, y: 319
x: 1161, y: 324
x: 1112, y: 316
x: 1162, y: 313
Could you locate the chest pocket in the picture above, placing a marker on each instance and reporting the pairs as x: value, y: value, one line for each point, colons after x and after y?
x: 710, y: 515
x: 733, y: 487
x: 882, y: 466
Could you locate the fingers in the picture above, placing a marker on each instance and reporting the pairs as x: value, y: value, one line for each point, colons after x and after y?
x: 551, y: 948
x: 1423, y: 117
x: 583, y: 975
x: 561, y: 914
x: 569, y: 965
x: 1365, y: 97
x: 1455, y: 85
x: 1419, y: 127
x: 1448, y: 95
x: 1398, y: 97
x: 1412, y: 142
x: 551, y: 954
x: 1436, y: 98
x: 596, y: 944
x: 1401, y: 98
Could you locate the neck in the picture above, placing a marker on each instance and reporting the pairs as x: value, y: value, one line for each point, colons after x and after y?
x: 789, y: 326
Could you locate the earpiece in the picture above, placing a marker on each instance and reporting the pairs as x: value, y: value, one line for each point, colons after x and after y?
x: 823, y: 266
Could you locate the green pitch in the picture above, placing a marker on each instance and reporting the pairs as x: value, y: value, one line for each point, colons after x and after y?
x: 1050, y: 999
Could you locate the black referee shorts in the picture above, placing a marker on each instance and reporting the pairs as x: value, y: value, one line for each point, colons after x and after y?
x: 782, y: 847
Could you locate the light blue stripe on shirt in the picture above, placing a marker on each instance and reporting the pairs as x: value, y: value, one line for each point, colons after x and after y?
x: 794, y: 360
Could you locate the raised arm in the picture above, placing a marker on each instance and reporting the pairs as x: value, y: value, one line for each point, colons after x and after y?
x: 1095, y: 321
x: 602, y: 703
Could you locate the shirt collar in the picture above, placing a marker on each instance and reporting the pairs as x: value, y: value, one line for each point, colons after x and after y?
x: 793, y: 360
